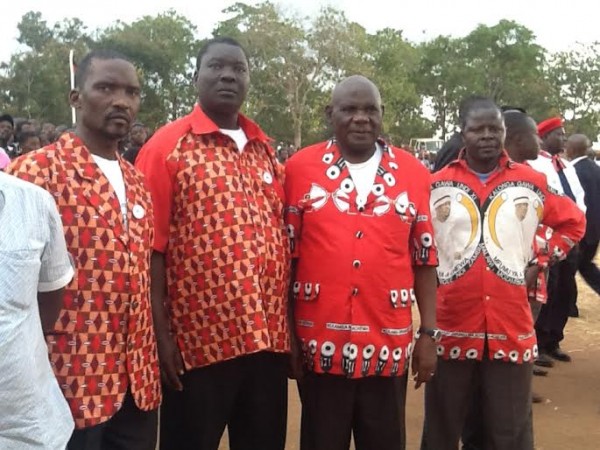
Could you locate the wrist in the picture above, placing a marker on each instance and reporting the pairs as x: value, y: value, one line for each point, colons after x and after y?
x: 434, y: 334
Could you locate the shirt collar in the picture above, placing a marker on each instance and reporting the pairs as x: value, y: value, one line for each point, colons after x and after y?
x: 503, y: 162
x: 202, y: 124
x: 576, y: 160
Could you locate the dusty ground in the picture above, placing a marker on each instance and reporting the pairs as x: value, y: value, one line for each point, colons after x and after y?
x: 570, y: 417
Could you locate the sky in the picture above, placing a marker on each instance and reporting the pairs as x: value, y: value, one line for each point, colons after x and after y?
x: 557, y: 28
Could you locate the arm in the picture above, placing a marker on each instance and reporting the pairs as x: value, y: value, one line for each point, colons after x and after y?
x: 424, y: 262
x: 56, y: 270
x: 424, y: 356
x: 171, y: 362
x: 50, y: 304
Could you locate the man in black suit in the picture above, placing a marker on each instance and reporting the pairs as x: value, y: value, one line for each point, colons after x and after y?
x: 589, y: 176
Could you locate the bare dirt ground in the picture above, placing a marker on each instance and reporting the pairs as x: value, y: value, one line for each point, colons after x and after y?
x: 570, y: 417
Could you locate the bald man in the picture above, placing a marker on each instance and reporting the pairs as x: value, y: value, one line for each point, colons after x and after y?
x: 589, y: 175
x: 357, y: 213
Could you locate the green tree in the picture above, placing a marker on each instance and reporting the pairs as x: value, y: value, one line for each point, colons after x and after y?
x: 574, y: 76
x: 294, y: 62
x: 36, y: 82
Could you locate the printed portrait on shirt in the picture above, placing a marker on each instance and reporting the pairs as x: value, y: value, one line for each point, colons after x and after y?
x: 457, y: 226
x: 512, y: 214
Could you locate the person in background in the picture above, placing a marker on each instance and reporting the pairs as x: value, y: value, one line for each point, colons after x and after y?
x: 6, y: 135
x: 103, y: 347
x: 589, y: 176
x: 29, y: 141
x: 34, y: 268
x: 137, y: 138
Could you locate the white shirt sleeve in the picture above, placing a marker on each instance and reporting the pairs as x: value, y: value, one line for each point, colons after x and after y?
x: 576, y: 187
x: 56, y: 270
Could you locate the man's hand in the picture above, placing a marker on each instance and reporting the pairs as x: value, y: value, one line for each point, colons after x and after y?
x: 531, y: 275
x: 171, y: 363
x: 297, y: 370
x: 424, y: 360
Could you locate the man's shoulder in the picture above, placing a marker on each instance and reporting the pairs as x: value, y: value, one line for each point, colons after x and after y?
x: 165, y: 138
x: 25, y: 190
x: 307, y: 155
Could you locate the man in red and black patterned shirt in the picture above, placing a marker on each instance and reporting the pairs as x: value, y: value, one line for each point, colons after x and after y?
x: 358, y: 218
x: 220, y: 266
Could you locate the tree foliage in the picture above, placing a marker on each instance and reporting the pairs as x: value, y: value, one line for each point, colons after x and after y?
x: 296, y: 61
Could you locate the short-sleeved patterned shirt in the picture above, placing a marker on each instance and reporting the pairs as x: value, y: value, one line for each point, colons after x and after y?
x: 103, y: 342
x: 355, y: 279
x: 33, y: 258
x: 219, y: 220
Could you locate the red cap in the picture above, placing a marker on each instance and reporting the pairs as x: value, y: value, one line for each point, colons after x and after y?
x: 548, y: 125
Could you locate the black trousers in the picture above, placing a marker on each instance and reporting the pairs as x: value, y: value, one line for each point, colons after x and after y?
x: 129, y: 429
x: 588, y: 270
x: 247, y: 394
x: 334, y: 407
x: 505, y: 392
x: 562, y: 293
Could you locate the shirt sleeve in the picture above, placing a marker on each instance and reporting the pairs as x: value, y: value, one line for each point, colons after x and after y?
x: 152, y: 162
x: 293, y: 210
x: 566, y: 220
x: 56, y: 270
x: 422, y: 245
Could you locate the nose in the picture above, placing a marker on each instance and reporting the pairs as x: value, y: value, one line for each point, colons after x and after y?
x: 227, y: 74
x: 360, y: 116
x: 122, y: 100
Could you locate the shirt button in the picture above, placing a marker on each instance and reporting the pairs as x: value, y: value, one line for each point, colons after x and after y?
x: 356, y: 263
x: 135, y: 304
x: 488, y: 269
x: 359, y: 234
x: 130, y: 346
x: 355, y: 292
x: 487, y: 297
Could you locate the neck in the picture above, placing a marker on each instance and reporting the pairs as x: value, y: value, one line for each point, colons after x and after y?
x: 102, y: 146
x: 227, y: 121
x: 482, y: 166
x: 357, y: 157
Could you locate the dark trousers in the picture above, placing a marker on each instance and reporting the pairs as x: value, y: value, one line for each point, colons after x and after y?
x: 129, y: 429
x: 247, y: 394
x: 505, y: 392
x: 588, y: 270
x: 562, y: 294
x: 334, y: 407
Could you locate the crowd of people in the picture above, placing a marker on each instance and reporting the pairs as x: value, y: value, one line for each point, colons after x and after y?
x: 201, y: 277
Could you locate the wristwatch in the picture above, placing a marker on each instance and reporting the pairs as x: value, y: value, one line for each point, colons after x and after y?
x: 433, y: 333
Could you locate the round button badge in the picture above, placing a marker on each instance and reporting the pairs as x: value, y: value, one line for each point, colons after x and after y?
x: 138, y: 211
x: 267, y: 178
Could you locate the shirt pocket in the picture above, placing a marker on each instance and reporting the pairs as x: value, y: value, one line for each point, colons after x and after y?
x: 20, y: 274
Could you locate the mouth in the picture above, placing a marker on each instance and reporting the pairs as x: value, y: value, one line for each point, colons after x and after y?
x: 230, y: 92
x: 121, y: 118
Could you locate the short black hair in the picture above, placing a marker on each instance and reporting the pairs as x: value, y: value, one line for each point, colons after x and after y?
x: 516, y: 122
x: 473, y: 103
x: 7, y: 118
x: 218, y: 40
x: 24, y: 135
x: 83, y: 66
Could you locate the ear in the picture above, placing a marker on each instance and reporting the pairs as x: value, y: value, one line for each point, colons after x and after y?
x: 195, y: 76
x: 74, y: 99
x: 382, y: 109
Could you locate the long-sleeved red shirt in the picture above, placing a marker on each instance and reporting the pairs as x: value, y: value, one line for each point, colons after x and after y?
x: 484, y: 233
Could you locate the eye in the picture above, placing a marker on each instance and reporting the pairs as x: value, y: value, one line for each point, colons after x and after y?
x: 389, y: 179
x: 241, y: 69
x: 347, y: 185
x: 333, y: 172
x: 215, y: 66
x: 378, y: 189
x: 328, y: 158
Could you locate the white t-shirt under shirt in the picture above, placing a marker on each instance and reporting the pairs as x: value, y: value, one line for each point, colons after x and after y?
x: 238, y: 136
x: 111, y: 169
x: 363, y: 174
